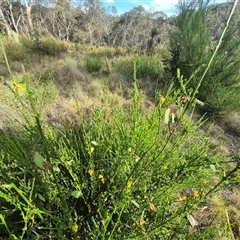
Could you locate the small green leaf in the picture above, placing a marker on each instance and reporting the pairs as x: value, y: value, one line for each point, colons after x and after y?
x: 178, y: 73
x: 6, y: 186
x: 213, y: 168
x: 39, y: 160
x: 94, y: 143
x: 41, y: 197
x: 76, y: 193
x: 135, y: 203
x: 166, y: 116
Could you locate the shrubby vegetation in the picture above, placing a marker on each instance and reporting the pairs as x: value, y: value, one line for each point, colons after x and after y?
x: 148, y: 67
x: 192, y: 48
x: 93, y: 64
x: 103, y: 177
x: 82, y: 161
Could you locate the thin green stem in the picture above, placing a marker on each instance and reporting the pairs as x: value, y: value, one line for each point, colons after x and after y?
x: 224, y: 178
x: 6, y: 59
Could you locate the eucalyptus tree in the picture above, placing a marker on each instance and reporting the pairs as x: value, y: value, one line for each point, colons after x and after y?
x: 140, y: 29
x: 4, y: 25
x: 91, y: 22
x: 12, y: 14
x: 56, y: 17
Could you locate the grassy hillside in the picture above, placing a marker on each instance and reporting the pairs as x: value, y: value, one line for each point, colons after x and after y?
x: 96, y: 144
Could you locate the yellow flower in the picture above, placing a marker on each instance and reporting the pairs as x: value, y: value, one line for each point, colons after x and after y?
x: 75, y: 228
x: 129, y: 184
x: 196, y: 194
x: 183, y: 198
x: 91, y: 149
x: 162, y: 99
x: 18, y: 86
x: 100, y: 176
x: 164, y: 167
x: 90, y: 171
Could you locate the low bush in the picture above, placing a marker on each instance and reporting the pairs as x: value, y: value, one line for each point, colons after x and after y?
x: 149, y: 67
x: 105, y: 52
x: 93, y: 64
x: 16, y: 51
x: 122, y: 174
x: 48, y: 46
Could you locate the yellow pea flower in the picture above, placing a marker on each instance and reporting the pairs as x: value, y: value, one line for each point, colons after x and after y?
x: 129, y: 184
x: 75, y: 228
x: 18, y: 86
x: 183, y: 198
x: 164, y: 167
x: 90, y: 171
x: 152, y: 207
x: 100, y: 176
x: 91, y: 149
x: 141, y: 222
x: 162, y: 99
x: 196, y: 194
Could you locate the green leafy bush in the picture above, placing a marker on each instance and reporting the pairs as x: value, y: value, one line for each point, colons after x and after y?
x: 104, y: 52
x: 122, y: 174
x: 192, y: 49
x: 15, y: 51
x: 48, y: 46
x: 149, y: 67
x: 104, y: 177
x: 93, y: 64
x: 221, y: 85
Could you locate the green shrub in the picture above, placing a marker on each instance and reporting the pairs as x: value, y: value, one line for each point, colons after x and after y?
x: 112, y: 176
x: 221, y: 85
x: 15, y: 51
x: 192, y: 48
x: 93, y: 64
x: 149, y: 67
x: 120, y: 51
x: 49, y: 46
x: 104, y: 52
x: 121, y: 174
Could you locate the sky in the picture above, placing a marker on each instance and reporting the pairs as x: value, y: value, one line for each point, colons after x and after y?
x: 166, y: 6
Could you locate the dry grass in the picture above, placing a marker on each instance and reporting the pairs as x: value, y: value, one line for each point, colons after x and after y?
x: 231, y: 122
x: 226, y: 209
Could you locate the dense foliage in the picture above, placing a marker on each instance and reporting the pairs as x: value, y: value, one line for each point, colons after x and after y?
x: 85, y: 153
x: 191, y: 46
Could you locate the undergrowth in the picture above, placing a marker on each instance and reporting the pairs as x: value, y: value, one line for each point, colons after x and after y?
x: 121, y: 174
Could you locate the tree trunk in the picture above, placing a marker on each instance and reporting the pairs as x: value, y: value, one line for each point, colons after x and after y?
x: 29, y: 17
x: 4, y: 23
